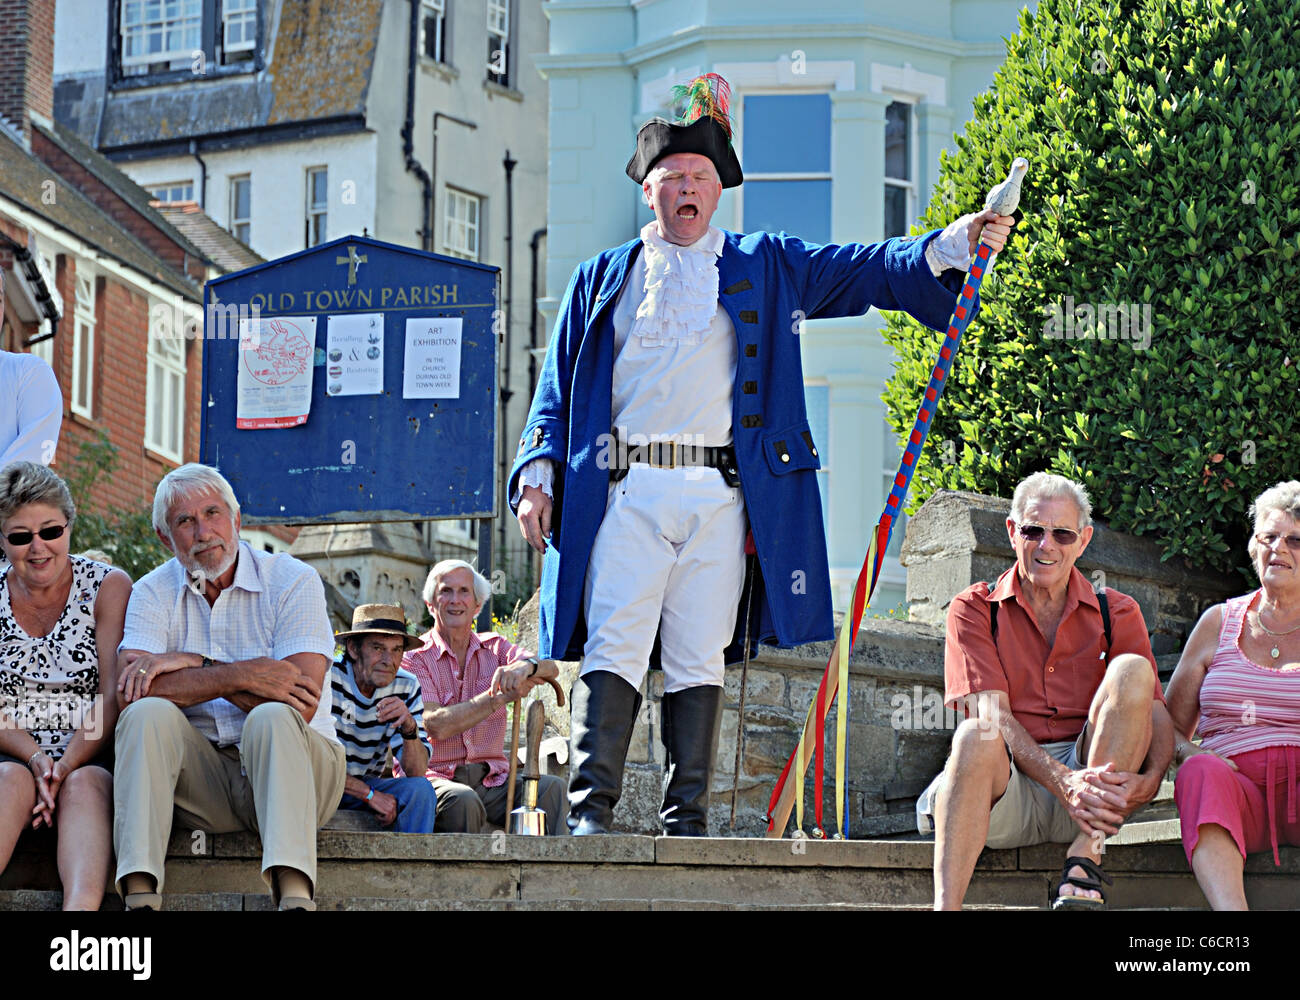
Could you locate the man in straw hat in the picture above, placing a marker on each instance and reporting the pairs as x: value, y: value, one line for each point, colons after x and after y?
x: 377, y: 708
x: 685, y: 339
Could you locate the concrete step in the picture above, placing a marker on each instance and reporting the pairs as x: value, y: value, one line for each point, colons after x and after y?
x: 389, y: 871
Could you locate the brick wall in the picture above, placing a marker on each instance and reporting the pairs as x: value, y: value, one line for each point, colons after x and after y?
x: 120, y: 389
x: 26, y: 59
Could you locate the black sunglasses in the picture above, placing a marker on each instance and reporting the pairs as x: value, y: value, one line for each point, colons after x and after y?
x: 48, y: 534
x: 1033, y: 532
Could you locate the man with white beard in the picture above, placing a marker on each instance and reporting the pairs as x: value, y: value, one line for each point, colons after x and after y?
x: 226, y: 717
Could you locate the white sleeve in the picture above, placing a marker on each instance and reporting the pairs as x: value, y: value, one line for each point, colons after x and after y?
x: 951, y: 248
x: 538, y: 472
x: 40, y: 415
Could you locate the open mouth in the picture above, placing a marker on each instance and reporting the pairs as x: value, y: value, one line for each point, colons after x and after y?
x: 688, y: 212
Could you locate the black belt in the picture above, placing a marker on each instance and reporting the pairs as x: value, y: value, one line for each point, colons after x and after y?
x: 674, y: 455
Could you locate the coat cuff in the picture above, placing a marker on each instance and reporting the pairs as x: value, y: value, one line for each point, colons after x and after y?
x: 928, y: 298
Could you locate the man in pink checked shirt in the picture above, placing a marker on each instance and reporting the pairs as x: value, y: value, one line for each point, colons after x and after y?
x: 467, y: 680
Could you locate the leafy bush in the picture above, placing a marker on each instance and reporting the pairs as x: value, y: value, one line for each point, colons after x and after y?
x: 127, y: 536
x: 1163, y: 138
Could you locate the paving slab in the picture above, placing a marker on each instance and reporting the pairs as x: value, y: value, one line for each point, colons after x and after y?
x: 734, y: 884
x: 809, y: 853
x: 410, y: 881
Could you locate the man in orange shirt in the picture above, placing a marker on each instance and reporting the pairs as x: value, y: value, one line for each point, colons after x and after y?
x: 1066, y: 731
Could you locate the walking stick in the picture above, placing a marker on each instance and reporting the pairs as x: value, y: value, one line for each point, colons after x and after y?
x: 514, y: 745
x: 1003, y: 200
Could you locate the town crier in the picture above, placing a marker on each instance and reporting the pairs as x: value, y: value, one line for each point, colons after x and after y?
x: 668, y: 425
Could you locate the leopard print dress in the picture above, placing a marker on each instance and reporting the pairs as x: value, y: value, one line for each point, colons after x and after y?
x: 49, y: 683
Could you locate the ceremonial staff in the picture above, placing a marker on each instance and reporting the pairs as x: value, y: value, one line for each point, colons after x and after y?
x: 1003, y: 200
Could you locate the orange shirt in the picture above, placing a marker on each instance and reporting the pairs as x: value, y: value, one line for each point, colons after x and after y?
x: 1050, y: 688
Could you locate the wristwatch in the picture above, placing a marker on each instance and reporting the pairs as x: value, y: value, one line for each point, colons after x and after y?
x: 535, y: 662
x: 415, y: 734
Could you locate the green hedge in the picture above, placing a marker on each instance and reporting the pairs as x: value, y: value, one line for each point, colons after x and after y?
x: 1163, y: 139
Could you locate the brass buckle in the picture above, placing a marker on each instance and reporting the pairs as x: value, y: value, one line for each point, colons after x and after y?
x: 656, y: 449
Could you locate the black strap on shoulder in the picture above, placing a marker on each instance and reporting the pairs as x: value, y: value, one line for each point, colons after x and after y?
x: 1105, y: 616
x: 1101, y: 601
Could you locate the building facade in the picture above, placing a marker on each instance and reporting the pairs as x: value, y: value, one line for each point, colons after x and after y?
x: 840, y: 111
x: 293, y: 122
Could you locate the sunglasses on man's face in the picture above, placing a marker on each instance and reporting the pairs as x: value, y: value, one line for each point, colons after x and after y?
x: 1034, y: 533
x: 48, y: 534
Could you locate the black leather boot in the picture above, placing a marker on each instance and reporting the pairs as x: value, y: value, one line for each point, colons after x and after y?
x: 602, y: 713
x: 690, y: 733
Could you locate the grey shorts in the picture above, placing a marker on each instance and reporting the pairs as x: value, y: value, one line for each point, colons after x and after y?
x: 1026, y: 814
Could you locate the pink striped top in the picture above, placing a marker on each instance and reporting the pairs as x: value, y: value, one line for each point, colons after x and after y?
x: 1245, y: 706
x: 443, y: 681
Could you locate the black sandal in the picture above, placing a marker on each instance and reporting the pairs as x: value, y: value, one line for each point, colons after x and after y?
x: 1094, y: 880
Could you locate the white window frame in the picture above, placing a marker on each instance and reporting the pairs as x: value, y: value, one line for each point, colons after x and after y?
x: 498, y: 27
x: 151, y: 18
x: 435, y: 10
x: 83, y: 347
x: 245, y: 17
x: 232, y: 201
x: 910, y: 186
x: 165, y: 396
x: 315, y: 210
x: 461, y: 236
x: 164, y: 192
x: 817, y: 175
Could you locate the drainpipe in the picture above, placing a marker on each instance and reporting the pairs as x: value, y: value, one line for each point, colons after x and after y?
x: 534, y: 246
x: 413, y: 165
x: 203, y: 175
x: 506, y: 393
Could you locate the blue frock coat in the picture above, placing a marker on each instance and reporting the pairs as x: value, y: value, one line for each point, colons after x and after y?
x: 765, y: 282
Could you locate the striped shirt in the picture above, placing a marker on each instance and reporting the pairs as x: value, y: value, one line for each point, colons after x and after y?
x: 1245, y: 706
x: 356, y: 719
x: 444, y: 682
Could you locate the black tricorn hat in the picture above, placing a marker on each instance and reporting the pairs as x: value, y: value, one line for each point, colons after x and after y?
x: 705, y: 129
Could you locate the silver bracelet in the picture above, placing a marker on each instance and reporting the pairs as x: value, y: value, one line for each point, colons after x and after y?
x: 34, y: 756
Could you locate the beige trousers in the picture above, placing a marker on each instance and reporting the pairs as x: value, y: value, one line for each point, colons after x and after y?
x: 292, y: 782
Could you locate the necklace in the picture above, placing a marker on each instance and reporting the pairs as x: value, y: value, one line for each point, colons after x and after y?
x: 1274, y: 652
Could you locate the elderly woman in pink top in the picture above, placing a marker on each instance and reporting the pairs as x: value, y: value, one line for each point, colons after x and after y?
x: 1238, y: 684
x: 467, y: 679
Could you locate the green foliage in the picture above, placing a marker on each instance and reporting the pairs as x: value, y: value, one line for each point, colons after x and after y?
x: 127, y: 536
x: 1163, y: 140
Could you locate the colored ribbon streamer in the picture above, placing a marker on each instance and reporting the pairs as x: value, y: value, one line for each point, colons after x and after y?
x: 870, y: 572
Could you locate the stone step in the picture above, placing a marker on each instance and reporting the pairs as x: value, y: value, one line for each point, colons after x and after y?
x: 388, y: 871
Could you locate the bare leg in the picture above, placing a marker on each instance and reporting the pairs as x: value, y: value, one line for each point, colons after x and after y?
x: 85, y: 819
x: 975, y: 778
x: 1219, y: 868
x: 17, y: 799
x: 1118, y: 733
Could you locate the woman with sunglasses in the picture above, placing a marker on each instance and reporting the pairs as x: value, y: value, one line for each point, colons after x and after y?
x: 1238, y: 684
x: 61, y: 621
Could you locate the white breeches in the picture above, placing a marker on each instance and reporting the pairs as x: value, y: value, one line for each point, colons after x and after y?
x: 669, y: 556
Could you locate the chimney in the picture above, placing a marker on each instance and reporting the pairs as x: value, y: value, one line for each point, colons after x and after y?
x: 26, y: 61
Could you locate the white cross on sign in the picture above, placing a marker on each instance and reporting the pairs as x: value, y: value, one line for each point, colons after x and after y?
x: 351, y: 260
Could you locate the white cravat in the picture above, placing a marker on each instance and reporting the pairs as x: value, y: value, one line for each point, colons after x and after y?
x: 681, y: 288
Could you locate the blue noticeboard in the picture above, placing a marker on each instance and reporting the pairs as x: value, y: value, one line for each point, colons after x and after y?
x: 355, y: 381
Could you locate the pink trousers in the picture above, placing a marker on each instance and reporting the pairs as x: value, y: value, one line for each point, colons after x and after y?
x: 1256, y: 804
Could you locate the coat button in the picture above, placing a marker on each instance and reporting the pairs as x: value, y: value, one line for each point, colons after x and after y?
x: 785, y: 458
